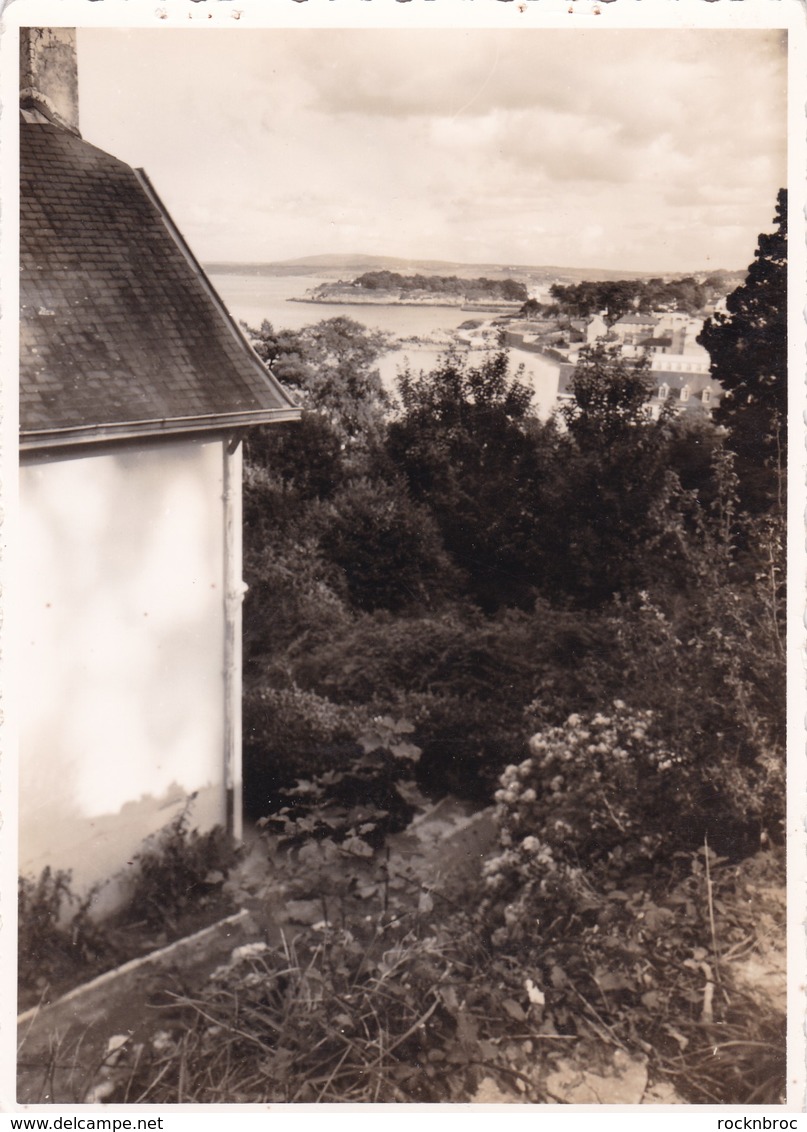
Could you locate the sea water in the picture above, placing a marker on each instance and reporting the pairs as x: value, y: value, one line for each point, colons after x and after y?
x: 255, y: 298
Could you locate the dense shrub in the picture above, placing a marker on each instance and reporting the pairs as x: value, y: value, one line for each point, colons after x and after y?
x: 717, y: 685
x: 468, y: 447
x: 306, y: 456
x: 179, y: 871
x: 290, y: 734
x: 387, y: 547
x: 293, y: 599
x: 596, y: 783
x: 464, y: 680
x: 57, y: 940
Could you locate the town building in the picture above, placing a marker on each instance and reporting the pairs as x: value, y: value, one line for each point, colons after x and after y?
x: 689, y: 390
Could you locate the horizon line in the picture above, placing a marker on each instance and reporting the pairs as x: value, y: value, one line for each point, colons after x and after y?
x: 501, y: 264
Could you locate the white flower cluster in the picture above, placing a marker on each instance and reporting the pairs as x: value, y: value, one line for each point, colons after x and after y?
x: 238, y: 955
x: 495, y: 869
x: 512, y: 784
x: 621, y: 737
x: 249, y: 951
x: 581, y: 779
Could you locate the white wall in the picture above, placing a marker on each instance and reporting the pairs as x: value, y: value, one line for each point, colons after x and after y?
x: 683, y: 363
x: 122, y: 624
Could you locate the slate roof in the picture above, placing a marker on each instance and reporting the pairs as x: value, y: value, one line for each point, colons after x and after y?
x: 121, y: 333
x: 636, y: 320
x: 675, y: 381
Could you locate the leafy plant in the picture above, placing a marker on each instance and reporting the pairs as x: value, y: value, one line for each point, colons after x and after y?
x: 58, y: 942
x: 357, y: 804
x: 180, y: 870
x: 289, y: 734
x: 600, y: 885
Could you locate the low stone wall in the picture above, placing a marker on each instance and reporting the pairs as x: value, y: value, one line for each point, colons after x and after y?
x: 63, y: 1045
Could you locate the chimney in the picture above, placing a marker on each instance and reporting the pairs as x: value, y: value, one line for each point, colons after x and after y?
x: 49, y: 76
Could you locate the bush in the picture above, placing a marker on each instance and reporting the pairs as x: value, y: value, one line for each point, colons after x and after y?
x: 58, y: 942
x: 388, y: 548
x: 601, y: 785
x: 465, y: 682
x: 614, y: 790
x: 178, y: 871
x: 607, y: 885
x: 290, y: 734
x: 293, y: 594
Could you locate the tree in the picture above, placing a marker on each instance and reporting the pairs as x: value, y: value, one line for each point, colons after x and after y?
x: 619, y: 298
x: 610, y: 394
x: 388, y: 548
x: 466, y: 444
x: 331, y: 366
x: 748, y: 348
x: 616, y: 508
x: 531, y: 309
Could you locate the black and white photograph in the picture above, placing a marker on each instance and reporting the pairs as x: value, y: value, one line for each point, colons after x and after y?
x: 398, y: 575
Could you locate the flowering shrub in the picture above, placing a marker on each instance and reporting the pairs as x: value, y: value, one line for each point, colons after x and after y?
x: 606, y: 886
x: 599, y: 799
x: 597, y: 787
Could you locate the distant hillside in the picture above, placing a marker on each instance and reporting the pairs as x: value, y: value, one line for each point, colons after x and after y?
x: 335, y: 265
x: 347, y: 266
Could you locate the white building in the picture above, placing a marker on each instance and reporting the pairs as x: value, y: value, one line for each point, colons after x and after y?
x: 135, y: 386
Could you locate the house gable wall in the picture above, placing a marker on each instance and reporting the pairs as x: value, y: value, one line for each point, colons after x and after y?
x: 123, y: 712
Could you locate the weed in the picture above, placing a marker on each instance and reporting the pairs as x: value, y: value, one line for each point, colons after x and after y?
x: 58, y: 942
x: 178, y: 871
x: 178, y: 878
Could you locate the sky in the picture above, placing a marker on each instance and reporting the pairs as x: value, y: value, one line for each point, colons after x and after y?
x: 620, y: 148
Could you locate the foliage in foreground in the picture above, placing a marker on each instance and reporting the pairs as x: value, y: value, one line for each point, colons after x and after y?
x: 58, y: 943
x: 596, y: 925
x: 176, y: 882
x: 391, y: 1011
x: 598, y: 887
x: 397, y: 993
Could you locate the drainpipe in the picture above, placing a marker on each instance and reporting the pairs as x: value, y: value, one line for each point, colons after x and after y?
x: 234, y: 590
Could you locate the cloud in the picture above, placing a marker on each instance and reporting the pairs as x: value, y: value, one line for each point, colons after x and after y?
x: 594, y: 147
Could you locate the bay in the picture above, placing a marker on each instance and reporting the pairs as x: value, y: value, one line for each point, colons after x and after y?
x: 251, y: 298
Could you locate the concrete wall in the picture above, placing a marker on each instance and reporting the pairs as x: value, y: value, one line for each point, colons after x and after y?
x: 122, y: 694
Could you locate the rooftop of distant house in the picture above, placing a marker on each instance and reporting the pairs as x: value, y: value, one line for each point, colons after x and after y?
x: 637, y: 320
